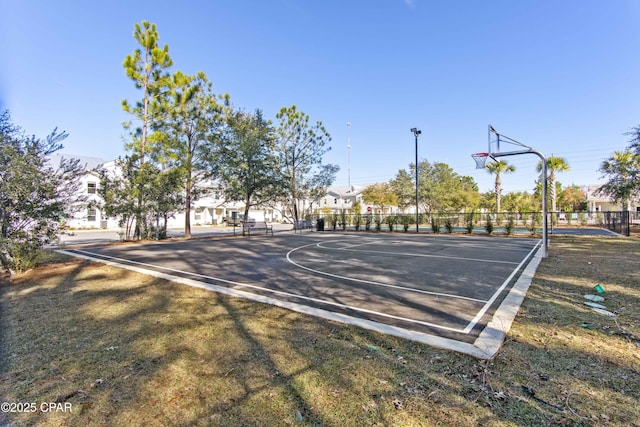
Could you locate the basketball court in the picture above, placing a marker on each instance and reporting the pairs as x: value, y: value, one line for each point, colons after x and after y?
x: 454, y: 292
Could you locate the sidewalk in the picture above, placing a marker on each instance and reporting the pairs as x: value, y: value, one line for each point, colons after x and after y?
x: 84, y: 237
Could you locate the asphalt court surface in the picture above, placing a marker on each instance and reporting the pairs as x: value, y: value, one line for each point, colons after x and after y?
x: 447, y: 286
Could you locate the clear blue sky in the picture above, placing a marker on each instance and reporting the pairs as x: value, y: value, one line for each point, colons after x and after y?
x: 562, y: 76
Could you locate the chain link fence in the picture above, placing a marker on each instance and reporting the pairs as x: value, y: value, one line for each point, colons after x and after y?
x: 476, y: 222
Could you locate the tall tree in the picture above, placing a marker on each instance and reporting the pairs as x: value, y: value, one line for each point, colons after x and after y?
x: 498, y: 168
x: 440, y: 188
x: 403, y: 186
x: 35, y: 194
x: 622, y: 170
x: 189, y: 136
x: 521, y: 202
x: 554, y: 164
x: 147, y: 67
x: 247, y: 164
x: 122, y: 187
x: 380, y: 195
x: 299, y: 150
x: 572, y: 199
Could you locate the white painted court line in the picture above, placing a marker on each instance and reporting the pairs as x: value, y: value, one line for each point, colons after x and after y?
x: 484, y: 309
x: 492, y: 336
x: 370, y: 282
x: 408, y: 254
x: 485, y: 346
x: 118, y: 263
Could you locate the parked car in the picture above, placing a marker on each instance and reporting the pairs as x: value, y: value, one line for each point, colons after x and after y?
x: 239, y: 219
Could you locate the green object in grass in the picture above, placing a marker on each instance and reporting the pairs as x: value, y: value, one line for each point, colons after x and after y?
x: 373, y: 347
x: 599, y: 289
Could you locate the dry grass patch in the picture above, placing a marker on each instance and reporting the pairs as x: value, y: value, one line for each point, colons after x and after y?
x: 127, y: 349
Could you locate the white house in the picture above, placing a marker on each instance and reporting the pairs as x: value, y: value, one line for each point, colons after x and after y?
x: 601, y: 203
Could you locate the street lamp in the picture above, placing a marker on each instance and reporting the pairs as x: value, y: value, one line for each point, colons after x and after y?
x: 416, y: 132
x: 349, y: 156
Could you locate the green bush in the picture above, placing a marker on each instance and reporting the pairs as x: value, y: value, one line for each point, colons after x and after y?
x: 391, y: 221
x: 435, y: 224
x: 448, y: 224
x: 582, y: 217
x: 367, y: 222
x: 536, y: 219
x: 333, y: 219
x: 405, y: 223
x: 489, y: 225
x: 378, y: 220
x: 511, y: 225
x: 469, y: 221
x: 357, y: 220
x: 19, y: 257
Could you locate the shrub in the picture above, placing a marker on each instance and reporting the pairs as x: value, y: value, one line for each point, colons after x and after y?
x: 448, y: 224
x: 489, y: 225
x: 367, y: 222
x: 36, y: 193
x: 405, y: 223
x: 469, y: 221
x: 378, y: 220
x: 18, y: 257
x: 511, y: 225
x: 536, y: 219
x: 334, y: 221
x: 582, y: 217
x: 435, y: 224
x: 391, y: 221
x: 357, y: 219
x: 343, y: 220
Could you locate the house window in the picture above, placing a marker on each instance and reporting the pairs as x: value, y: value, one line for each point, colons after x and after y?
x: 91, y: 187
x: 91, y: 215
x: 198, y: 214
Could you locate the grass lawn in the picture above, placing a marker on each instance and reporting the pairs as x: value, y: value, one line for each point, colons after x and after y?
x: 116, y: 348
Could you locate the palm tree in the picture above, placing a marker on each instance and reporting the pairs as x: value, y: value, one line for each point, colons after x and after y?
x: 554, y: 164
x: 497, y: 168
x: 622, y: 169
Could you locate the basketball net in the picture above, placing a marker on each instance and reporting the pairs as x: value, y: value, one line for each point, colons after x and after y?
x: 481, y: 159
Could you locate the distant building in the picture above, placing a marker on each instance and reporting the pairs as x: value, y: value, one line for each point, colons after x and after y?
x: 601, y: 203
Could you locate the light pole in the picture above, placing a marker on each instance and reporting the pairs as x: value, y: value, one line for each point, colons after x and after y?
x: 349, y: 156
x: 416, y: 132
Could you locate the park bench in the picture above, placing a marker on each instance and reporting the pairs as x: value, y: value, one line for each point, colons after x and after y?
x: 256, y: 226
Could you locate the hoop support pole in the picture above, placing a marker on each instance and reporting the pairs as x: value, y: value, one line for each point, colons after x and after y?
x: 545, y: 221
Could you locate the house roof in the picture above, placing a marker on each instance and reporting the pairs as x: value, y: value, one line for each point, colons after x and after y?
x: 345, y: 191
x: 86, y: 161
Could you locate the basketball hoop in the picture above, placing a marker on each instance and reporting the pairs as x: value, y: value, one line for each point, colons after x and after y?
x: 481, y: 159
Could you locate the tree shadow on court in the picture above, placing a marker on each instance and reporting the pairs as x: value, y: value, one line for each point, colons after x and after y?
x: 129, y: 349
x: 261, y: 263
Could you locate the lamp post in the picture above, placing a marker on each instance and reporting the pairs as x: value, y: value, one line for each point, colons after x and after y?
x: 416, y: 132
x: 349, y: 156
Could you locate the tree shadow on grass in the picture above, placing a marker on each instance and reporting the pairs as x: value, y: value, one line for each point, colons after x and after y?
x: 128, y: 349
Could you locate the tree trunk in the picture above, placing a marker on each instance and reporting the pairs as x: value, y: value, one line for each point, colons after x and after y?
x: 187, y: 213
x: 498, y: 192
x: 187, y: 207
